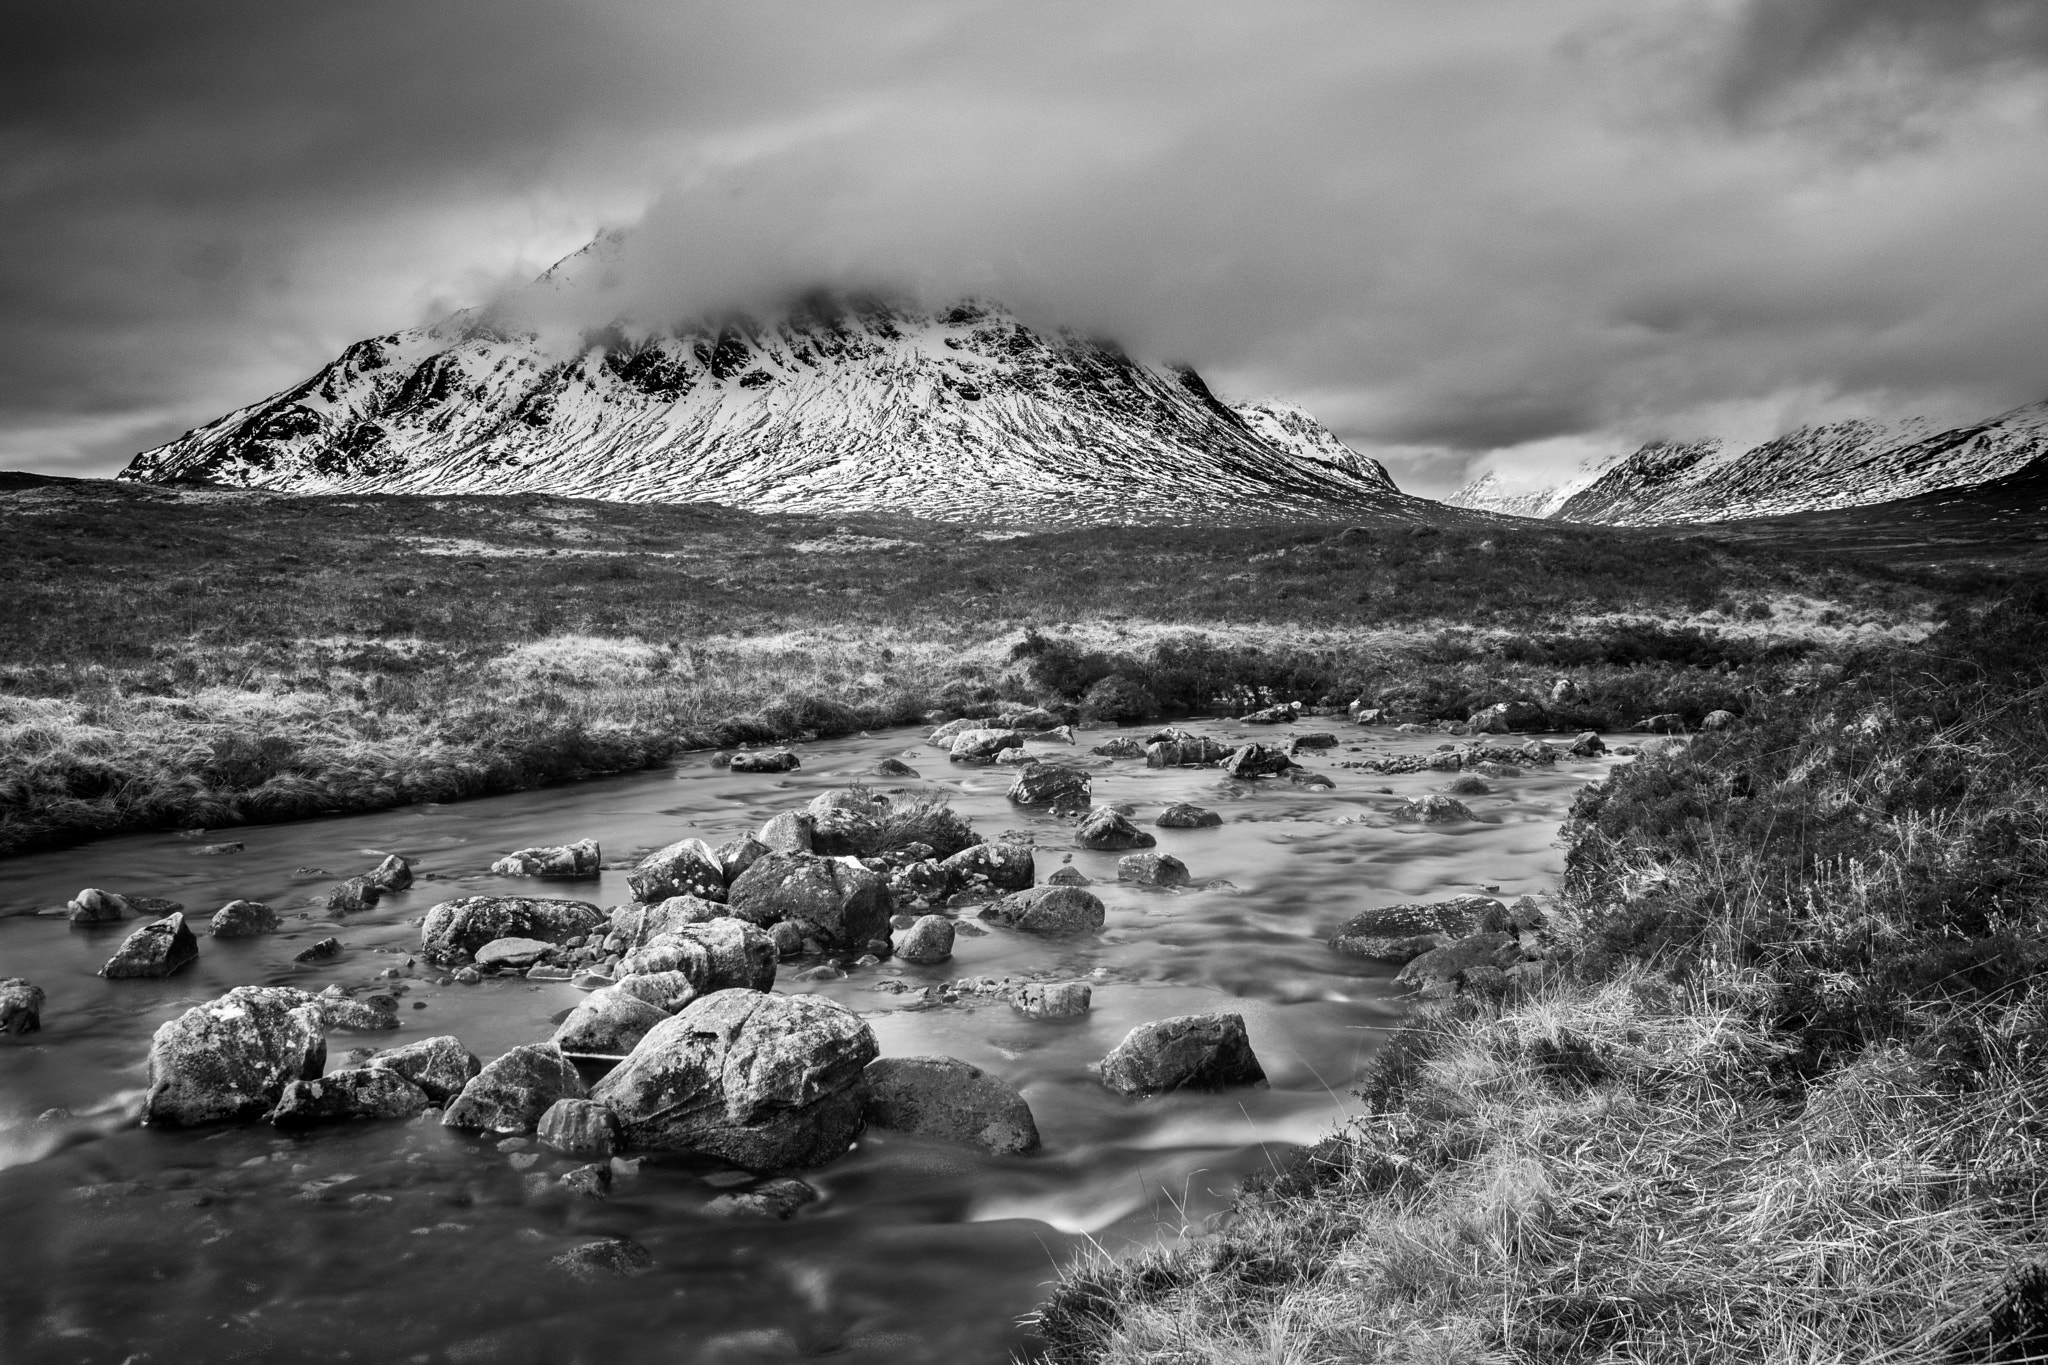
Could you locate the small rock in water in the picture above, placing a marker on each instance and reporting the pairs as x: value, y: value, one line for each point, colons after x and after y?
x: 354, y: 895
x: 438, y: 1066
x: 618, y: 1256
x: 1181, y: 815
x: 94, y: 906
x: 1435, y: 810
x: 563, y: 862
x: 592, y: 1182
x: 928, y: 940
x: 893, y: 767
x: 1052, y: 1000
x: 371, y: 1013
x: 780, y: 761
x: 1152, y: 869
x: 777, y: 1200
x: 1014, y: 758
x: 319, y: 952
x: 1005, y: 867
x: 155, y: 950
x: 1188, y: 1052
x: 468, y: 976
x: 365, y: 1092
x: 244, y: 919
x: 21, y: 1006
x: 1068, y: 876
x: 393, y: 874
x: 1047, y: 785
x: 1256, y: 760
x: 1051, y: 911
x: 948, y: 1099
x: 579, y: 1128
x: 216, y: 850
x: 510, y: 1094
x: 512, y: 954
x: 1588, y: 745
x: 1111, y: 829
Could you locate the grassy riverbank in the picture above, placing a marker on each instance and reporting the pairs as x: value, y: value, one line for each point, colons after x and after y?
x: 174, y: 658
x: 1786, y: 1102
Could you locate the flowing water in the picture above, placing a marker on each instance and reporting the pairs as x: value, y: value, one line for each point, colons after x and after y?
x: 407, y: 1242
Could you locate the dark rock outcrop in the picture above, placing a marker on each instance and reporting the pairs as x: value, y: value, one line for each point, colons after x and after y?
x: 21, y: 1005
x: 1181, y: 815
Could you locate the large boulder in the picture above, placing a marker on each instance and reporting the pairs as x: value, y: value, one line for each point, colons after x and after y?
x: 1508, y: 717
x: 21, y: 1005
x: 510, y: 1094
x: 721, y: 954
x: 1257, y: 760
x: 363, y: 1092
x: 438, y: 1066
x: 244, y: 919
x: 763, y: 1081
x: 1188, y: 1052
x: 1181, y: 815
x: 951, y: 1100
x: 634, y: 925
x: 686, y: 867
x: 1049, y: 911
x: 1044, y: 784
x: 1398, y: 933
x: 155, y: 950
x: 231, y: 1058
x: 561, y: 862
x: 1111, y: 829
x: 607, y: 1023
x: 836, y: 901
x: 983, y: 745
x: 1002, y: 867
x: 455, y: 929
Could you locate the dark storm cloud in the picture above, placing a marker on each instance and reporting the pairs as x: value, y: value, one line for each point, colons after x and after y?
x: 1493, y: 231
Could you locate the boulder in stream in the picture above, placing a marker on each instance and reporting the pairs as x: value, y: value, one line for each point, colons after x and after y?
x: 686, y: 867
x: 579, y: 1128
x: 951, y: 1100
x: 774, y: 761
x: 561, y: 862
x: 982, y: 746
x: 363, y: 1092
x: 512, y: 953
x: 720, y: 954
x: 1045, y: 784
x: 1398, y: 933
x: 1588, y: 745
x: 1187, y: 1052
x: 511, y: 1093
x: 1049, y: 911
x: 438, y: 1066
x: 761, y: 1080
x: 634, y: 925
x: 455, y: 929
x: 928, y: 941
x: 1256, y: 760
x: 1152, y: 869
x: 156, y: 949
x: 608, y: 1023
x: 354, y: 896
x: 1181, y: 815
x: 1111, y: 829
x: 836, y: 901
x: 1052, y: 999
x: 1434, y: 810
x: 244, y: 919
x: 21, y: 1005
x: 232, y: 1057
x: 1001, y: 866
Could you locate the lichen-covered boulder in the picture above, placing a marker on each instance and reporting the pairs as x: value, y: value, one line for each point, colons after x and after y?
x: 951, y: 1100
x: 1152, y: 869
x: 687, y: 867
x: 776, y: 761
x: 244, y: 919
x: 354, y: 896
x: 983, y: 745
x: 512, y: 953
x: 363, y: 1092
x: 763, y: 1081
x: 21, y: 1005
x: 1052, y: 999
x: 440, y: 1067
x: 1181, y: 815
x: 1004, y: 867
x: 792, y: 831
x: 455, y: 929
x: 607, y: 1023
x: 1494, y: 949
x: 231, y: 1058
x: 928, y: 941
x: 94, y: 906
x: 1049, y: 911
x: 1111, y: 829
x: 720, y: 954
x: 735, y: 856
x: 1183, y: 750
x: 1398, y: 933
x: 1187, y: 1052
x: 510, y: 1094
x: 892, y: 767
x: 837, y: 901
x: 1045, y: 784
x: 156, y: 949
x: 1435, y: 810
x: 634, y: 925
x: 559, y: 862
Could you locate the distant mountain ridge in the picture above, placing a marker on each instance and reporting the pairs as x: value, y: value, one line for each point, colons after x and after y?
x: 963, y: 414
x: 1854, y: 463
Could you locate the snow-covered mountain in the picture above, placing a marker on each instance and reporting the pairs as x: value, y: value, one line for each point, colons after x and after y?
x: 1852, y: 463
x: 964, y: 414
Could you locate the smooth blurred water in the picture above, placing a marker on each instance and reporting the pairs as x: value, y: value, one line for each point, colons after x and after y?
x: 405, y: 1242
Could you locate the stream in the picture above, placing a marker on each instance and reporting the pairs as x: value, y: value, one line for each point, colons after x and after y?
x: 406, y: 1242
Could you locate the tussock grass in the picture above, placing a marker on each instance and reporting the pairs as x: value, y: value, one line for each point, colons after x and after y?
x: 1784, y: 1103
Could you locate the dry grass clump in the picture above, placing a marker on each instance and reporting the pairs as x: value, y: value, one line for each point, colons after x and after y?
x: 1786, y: 1105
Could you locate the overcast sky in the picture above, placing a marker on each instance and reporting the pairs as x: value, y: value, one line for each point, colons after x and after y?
x: 1468, y: 234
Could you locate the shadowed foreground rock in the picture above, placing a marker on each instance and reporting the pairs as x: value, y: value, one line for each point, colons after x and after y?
x: 763, y: 1081
x: 364, y: 1092
x: 455, y: 929
x: 510, y: 1094
x: 438, y: 1066
x: 1050, y: 911
x: 21, y: 1006
x: 948, y: 1099
x: 231, y: 1058
x: 155, y: 950
x: 1187, y: 1052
